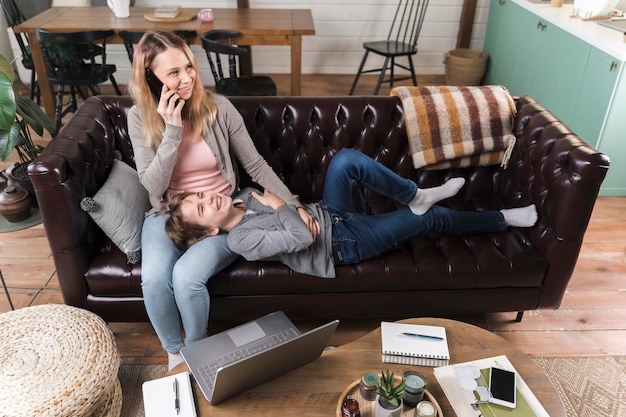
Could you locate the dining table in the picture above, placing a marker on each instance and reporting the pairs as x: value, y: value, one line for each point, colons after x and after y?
x: 257, y: 27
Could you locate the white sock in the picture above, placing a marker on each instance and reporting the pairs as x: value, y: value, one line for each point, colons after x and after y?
x: 428, y: 197
x: 173, y: 360
x: 520, y: 217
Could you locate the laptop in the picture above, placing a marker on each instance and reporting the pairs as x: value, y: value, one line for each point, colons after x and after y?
x: 232, y: 361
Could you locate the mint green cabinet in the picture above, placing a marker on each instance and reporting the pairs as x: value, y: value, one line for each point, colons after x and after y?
x: 500, y: 41
x: 582, y: 85
x: 594, y: 95
x: 559, y: 69
x: 533, y: 57
x: 612, y: 140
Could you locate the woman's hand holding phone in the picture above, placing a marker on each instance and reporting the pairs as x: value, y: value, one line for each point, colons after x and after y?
x: 169, y: 104
x: 170, y: 107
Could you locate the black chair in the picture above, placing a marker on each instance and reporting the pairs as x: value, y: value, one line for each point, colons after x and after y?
x: 14, y: 16
x: 401, y: 41
x: 233, y: 85
x: 83, y: 65
x: 132, y: 38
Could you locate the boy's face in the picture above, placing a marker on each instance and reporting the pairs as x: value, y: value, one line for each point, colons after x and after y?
x: 208, y: 209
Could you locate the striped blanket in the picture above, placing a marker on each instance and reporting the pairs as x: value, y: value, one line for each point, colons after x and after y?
x: 458, y: 126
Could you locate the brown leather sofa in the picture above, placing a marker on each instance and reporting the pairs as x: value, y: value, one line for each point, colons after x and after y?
x: 521, y: 269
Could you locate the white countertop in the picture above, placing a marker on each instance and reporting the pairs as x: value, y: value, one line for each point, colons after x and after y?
x: 608, y: 40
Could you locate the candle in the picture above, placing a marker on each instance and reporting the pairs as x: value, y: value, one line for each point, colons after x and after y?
x: 414, y: 385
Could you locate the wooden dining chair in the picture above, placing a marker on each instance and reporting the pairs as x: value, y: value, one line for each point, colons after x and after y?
x: 14, y: 16
x: 73, y: 68
x: 132, y: 38
x: 401, y: 42
x: 232, y: 84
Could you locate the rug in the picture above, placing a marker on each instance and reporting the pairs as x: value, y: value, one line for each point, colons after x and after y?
x: 131, y: 377
x: 33, y: 220
x: 588, y: 386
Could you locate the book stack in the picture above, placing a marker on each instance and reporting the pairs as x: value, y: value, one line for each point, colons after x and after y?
x: 167, y: 12
x: 414, y: 344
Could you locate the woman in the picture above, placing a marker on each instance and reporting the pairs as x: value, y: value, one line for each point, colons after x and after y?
x: 265, y: 227
x: 186, y: 139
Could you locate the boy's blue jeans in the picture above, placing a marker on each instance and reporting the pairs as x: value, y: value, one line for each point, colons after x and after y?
x: 358, y: 235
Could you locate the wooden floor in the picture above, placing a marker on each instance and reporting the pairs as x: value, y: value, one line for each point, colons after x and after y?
x: 590, y: 321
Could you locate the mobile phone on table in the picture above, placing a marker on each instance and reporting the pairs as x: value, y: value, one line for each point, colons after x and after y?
x: 502, y: 387
x: 155, y: 85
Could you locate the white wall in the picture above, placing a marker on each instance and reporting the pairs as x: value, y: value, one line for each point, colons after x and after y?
x: 5, y: 47
x: 341, y: 28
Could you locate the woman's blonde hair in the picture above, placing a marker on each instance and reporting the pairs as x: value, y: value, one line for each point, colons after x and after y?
x: 199, y: 111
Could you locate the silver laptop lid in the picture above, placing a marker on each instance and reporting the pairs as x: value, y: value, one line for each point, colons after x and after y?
x: 242, y: 336
x: 230, y: 377
x: 263, y: 366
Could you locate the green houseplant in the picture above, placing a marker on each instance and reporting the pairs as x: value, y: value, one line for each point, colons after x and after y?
x: 20, y: 117
x: 389, y: 402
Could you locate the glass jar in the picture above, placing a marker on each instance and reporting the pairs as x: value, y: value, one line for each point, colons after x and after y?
x: 425, y: 409
x: 414, y: 385
x: 368, y: 385
x: 350, y: 407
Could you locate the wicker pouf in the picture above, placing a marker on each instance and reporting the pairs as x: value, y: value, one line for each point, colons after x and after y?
x: 57, y: 360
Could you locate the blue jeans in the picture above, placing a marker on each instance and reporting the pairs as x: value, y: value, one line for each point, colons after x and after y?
x: 174, y: 282
x: 358, y: 235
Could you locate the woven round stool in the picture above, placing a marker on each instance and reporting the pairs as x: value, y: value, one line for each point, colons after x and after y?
x: 57, y: 360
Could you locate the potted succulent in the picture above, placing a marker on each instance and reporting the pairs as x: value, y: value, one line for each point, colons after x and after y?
x: 20, y: 117
x: 389, y: 400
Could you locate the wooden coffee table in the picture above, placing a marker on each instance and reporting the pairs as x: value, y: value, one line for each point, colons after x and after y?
x: 314, y: 389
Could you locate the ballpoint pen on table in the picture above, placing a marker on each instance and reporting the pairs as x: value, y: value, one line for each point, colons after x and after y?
x: 422, y: 336
x: 176, y: 400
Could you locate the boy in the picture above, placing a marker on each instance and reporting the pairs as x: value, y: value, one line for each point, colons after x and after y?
x: 263, y: 227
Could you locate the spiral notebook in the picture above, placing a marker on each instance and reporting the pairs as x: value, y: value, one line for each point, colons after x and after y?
x: 159, y: 397
x: 414, y: 344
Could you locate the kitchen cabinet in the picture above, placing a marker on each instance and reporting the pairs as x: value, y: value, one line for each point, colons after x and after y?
x: 531, y: 56
x: 535, y: 51
x: 593, y: 97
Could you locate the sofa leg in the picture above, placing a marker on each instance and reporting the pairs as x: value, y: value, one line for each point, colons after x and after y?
x: 519, y: 316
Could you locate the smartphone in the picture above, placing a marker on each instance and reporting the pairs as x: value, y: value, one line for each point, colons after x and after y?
x: 502, y: 387
x: 155, y: 85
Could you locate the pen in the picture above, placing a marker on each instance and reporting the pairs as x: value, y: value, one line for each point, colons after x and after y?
x: 423, y: 336
x: 176, y: 400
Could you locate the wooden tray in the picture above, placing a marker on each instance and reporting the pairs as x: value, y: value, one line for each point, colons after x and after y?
x: 367, y: 407
x: 185, y: 16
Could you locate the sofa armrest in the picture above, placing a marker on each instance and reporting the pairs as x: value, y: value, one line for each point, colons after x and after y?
x: 74, y: 165
x: 561, y: 174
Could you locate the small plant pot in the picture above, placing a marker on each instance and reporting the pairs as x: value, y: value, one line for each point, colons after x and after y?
x: 383, y: 409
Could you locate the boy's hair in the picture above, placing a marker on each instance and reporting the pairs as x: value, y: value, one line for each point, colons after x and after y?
x: 182, y: 233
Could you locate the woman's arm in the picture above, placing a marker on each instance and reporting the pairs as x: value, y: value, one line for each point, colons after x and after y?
x: 259, y: 170
x: 246, y: 154
x: 153, y: 166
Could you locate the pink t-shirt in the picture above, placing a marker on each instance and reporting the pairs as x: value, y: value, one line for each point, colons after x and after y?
x: 196, y: 169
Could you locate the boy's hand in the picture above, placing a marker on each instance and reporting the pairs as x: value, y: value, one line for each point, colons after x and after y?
x: 273, y: 201
x: 311, y: 222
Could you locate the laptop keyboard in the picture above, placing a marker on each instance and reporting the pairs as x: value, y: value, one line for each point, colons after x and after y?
x: 209, y: 369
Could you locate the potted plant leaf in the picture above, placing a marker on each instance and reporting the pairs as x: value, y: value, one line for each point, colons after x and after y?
x: 20, y: 118
x: 389, y: 400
